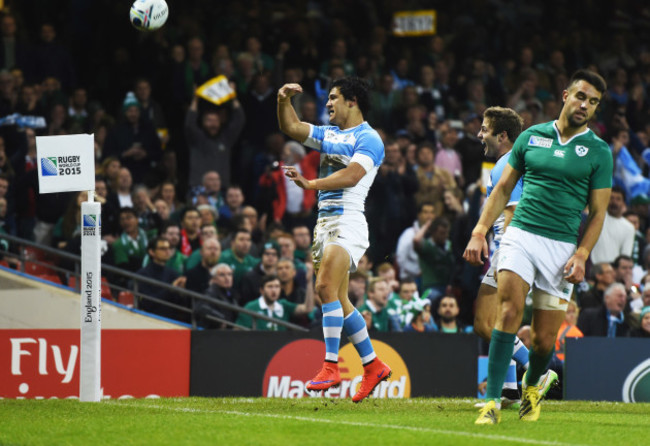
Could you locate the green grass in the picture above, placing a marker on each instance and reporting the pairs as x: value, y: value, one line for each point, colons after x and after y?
x: 260, y: 421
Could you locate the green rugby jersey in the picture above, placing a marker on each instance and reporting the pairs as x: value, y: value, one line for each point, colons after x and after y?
x: 557, y: 179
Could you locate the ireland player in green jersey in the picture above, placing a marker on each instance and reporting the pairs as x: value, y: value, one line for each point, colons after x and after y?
x: 565, y: 167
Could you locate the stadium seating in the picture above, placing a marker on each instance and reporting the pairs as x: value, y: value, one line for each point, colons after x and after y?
x: 106, y: 288
x: 126, y: 298
x: 54, y: 278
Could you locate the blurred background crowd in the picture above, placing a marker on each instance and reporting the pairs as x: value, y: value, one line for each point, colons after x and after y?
x: 190, y: 186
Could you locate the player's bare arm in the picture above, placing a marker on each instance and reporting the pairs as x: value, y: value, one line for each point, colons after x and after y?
x: 508, y: 213
x: 287, y: 117
x: 598, y: 201
x: 344, y: 178
x: 477, y: 246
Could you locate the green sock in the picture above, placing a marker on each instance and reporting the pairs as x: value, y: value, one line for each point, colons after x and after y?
x: 501, y: 348
x: 538, y: 366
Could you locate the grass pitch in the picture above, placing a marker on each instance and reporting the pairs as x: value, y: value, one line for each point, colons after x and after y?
x: 317, y: 421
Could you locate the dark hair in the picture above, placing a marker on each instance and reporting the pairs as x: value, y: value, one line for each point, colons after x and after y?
x: 618, y: 259
x: 354, y: 88
x: 238, y: 230
x: 189, y: 209
x: 168, y: 224
x: 426, y: 203
x: 597, y: 268
x: 425, y: 145
x: 438, y: 223
x: 592, y: 77
x: 406, y: 282
x: 503, y: 119
x: 153, y: 243
x: 620, y: 190
x: 268, y: 278
x: 128, y: 210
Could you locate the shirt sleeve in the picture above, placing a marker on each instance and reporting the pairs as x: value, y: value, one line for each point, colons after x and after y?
x: 289, y: 307
x: 244, y: 319
x: 316, y: 137
x: 515, y: 196
x: 601, y: 178
x: 516, y: 159
x: 370, y: 145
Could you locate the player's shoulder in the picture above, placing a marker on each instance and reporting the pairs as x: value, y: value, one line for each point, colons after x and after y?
x: 365, y: 131
x: 326, y: 128
x: 594, y: 142
x: 538, y: 134
x: 545, y: 129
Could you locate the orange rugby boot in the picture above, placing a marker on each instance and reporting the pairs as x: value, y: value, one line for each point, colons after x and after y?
x: 328, y: 376
x: 373, y: 374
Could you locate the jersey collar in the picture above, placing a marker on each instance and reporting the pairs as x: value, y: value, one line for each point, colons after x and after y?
x: 559, y: 137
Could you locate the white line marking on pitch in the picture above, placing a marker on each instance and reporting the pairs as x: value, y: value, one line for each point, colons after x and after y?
x: 355, y: 423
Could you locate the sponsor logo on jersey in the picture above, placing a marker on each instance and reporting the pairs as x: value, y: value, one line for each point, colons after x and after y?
x: 559, y: 153
x: 581, y: 150
x: 538, y: 141
x: 339, y: 138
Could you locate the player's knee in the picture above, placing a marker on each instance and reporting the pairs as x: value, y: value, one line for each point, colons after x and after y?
x: 542, y: 342
x: 511, y: 311
x: 325, y: 291
x: 482, y: 327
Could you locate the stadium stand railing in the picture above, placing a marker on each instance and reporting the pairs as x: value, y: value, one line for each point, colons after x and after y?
x: 118, y: 285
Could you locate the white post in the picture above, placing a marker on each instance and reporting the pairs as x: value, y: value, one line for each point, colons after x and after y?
x: 91, y: 276
x: 66, y: 163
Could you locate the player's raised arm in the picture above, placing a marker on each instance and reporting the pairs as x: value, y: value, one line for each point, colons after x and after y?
x: 288, y: 120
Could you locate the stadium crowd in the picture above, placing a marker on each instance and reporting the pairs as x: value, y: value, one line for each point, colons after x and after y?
x: 193, y: 193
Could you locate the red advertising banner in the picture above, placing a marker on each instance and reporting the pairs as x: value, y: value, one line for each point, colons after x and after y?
x: 135, y: 363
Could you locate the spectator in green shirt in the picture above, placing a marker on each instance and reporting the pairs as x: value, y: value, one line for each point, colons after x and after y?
x: 270, y: 304
x: 131, y: 246
x: 207, y: 231
x: 302, y: 239
x: 238, y: 257
x: 172, y: 233
x: 375, y: 310
x: 436, y: 258
x: 448, y: 316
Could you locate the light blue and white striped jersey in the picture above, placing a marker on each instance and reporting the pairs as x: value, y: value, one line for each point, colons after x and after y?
x: 338, y: 148
x: 495, y: 175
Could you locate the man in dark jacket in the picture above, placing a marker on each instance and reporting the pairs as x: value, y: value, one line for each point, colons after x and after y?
x: 221, y: 290
x: 608, y: 320
x: 159, y: 252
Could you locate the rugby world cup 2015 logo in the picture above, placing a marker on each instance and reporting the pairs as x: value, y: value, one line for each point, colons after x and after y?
x: 49, y: 166
x: 90, y: 223
x: 636, y: 388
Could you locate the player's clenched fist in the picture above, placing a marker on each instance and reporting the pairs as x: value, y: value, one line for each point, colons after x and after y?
x: 287, y: 91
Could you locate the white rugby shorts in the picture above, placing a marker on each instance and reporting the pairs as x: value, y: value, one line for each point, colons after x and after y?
x: 348, y: 231
x: 538, y: 260
x: 489, y: 278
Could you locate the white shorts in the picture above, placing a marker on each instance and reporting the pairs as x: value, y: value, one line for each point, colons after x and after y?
x: 539, y: 261
x: 348, y: 231
x: 489, y: 278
